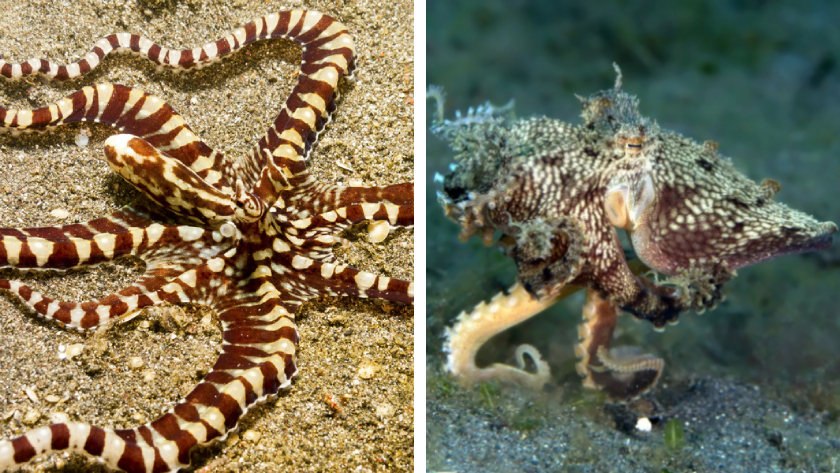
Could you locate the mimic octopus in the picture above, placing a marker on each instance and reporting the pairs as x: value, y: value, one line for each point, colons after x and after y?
x: 557, y: 192
x: 251, y: 237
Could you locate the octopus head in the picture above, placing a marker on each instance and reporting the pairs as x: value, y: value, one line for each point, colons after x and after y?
x: 249, y: 207
x: 688, y: 207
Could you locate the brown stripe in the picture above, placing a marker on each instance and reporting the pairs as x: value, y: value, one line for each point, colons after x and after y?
x: 131, y: 460
x: 116, y: 104
x: 95, y: 442
x: 154, y: 53
x: 134, y: 42
x: 218, y: 377
x: 90, y: 319
x: 229, y: 408
x: 282, y: 27
x: 24, y: 451
x: 211, y: 431
x: 41, y: 117
x: 92, y: 113
x: 167, y: 426
x: 152, y: 124
x: 203, y: 394
x: 250, y: 394
x: 60, y: 436
x: 84, y: 67
x: 6, y: 70
x: 146, y: 434
x: 77, y: 111
x: 160, y: 466
x: 186, y: 60
x: 294, y: 30
x: 270, y: 382
x: 26, y: 68
x: 188, y: 412
x: 250, y: 32
x: 222, y: 47
x: 185, y: 442
x: 247, y: 351
x: 316, y: 30
x: 248, y: 336
x: 291, y: 368
x: 227, y: 361
x: 104, y: 225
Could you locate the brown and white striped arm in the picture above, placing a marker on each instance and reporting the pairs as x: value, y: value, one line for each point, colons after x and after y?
x: 167, y: 277
x: 330, y: 197
x: 257, y: 361
x: 328, y: 54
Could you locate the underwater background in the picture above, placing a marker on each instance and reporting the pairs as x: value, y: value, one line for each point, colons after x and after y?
x: 751, y: 386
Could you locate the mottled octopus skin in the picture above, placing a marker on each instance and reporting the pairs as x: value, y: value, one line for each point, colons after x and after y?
x: 251, y: 237
x: 557, y: 192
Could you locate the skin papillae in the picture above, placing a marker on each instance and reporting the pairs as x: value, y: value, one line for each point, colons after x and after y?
x: 250, y: 237
x: 557, y: 193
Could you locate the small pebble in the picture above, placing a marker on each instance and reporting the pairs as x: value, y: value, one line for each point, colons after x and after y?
x: 52, y: 398
x: 135, y: 362
x: 82, y: 139
x: 252, y: 436
x: 367, y: 369
x: 232, y: 439
x: 74, y: 350
x: 149, y: 375
x: 643, y: 424
x: 59, y: 418
x: 30, y: 393
x: 60, y: 214
x: 31, y: 416
x: 385, y: 410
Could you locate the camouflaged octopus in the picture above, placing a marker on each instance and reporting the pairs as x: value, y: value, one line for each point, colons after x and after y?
x: 557, y: 192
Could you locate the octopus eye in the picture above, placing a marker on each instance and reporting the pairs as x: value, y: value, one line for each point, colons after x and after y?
x: 634, y: 146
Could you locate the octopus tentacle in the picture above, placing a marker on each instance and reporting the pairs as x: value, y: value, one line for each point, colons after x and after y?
x: 323, y: 278
x: 623, y: 372
x: 337, y: 220
x: 328, y: 54
x: 167, y: 181
x: 330, y: 197
x: 257, y: 361
x: 158, y: 285
x: 127, y: 110
x: 125, y: 232
x: 471, y: 331
x: 279, y: 157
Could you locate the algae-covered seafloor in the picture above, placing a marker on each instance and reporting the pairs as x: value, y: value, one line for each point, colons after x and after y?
x: 754, y: 383
x: 135, y: 371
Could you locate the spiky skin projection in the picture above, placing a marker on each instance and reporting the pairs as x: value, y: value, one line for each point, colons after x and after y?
x: 557, y: 192
x: 250, y: 238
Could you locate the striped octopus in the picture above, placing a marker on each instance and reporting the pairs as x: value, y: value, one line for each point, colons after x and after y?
x: 251, y: 237
x: 557, y: 193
